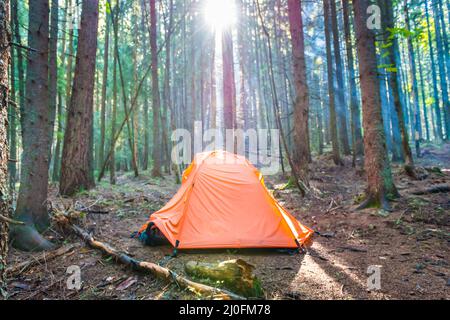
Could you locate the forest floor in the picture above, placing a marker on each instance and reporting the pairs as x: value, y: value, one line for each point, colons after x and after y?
x: 411, y: 243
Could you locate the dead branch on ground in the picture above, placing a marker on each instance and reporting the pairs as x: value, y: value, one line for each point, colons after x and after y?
x: 154, y: 269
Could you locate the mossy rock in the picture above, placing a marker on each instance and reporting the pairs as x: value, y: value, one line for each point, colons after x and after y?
x: 235, y: 275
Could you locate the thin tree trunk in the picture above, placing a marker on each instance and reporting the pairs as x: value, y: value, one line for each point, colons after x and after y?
x: 357, y: 141
x: 229, y: 90
x: 302, y: 188
x: 156, y: 171
x: 379, y: 178
x: 101, y: 157
x: 415, y: 92
x: 436, y: 108
x: 146, y: 152
x: 395, y: 83
x: 333, y: 127
x: 60, y: 129
x: 441, y: 54
x: 75, y: 175
x: 341, y: 103
x: 213, y: 102
x: 112, y: 160
x: 135, y: 113
x: 53, y: 73
x: 424, y: 102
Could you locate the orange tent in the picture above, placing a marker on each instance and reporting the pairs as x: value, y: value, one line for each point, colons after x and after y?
x: 223, y: 203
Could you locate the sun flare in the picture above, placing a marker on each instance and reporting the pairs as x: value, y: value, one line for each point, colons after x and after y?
x: 220, y: 14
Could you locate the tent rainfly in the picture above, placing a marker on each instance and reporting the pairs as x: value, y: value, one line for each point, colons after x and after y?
x: 223, y: 203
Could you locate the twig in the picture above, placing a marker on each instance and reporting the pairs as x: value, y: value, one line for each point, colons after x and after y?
x: 44, y: 257
x: 9, y: 220
x: 22, y: 46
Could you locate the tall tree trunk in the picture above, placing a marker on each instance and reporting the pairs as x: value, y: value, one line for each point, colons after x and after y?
x: 32, y: 201
x: 385, y: 108
x: 441, y: 54
x: 213, y: 102
x: 229, y: 87
x: 243, y: 99
x: 5, y: 39
x: 168, y: 96
x: 422, y: 89
x: 112, y: 161
x: 128, y: 113
x: 59, y: 119
x: 357, y: 142
x: 156, y: 171
x: 415, y: 92
x: 436, y: 108
x: 380, y: 183
x: 444, y: 37
x: 301, y: 106
x: 333, y: 128
x: 277, y: 112
x: 341, y: 103
x: 68, y: 89
x: 135, y: 112
x: 53, y: 73
x: 101, y: 157
x: 75, y: 166
x: 12, y: 111
x: 393, y: 59
x: 146, y: 152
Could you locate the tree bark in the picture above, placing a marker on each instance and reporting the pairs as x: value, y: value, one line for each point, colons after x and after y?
x: 301, y: 105
x: 5, y: 39
x: 75, y: 175
x: 379, y: 178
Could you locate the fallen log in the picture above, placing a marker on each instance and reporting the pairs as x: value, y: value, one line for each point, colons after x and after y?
x: 442, y: 188
x: 236, y: 275
x: 42, y: 258
x: 154, y: 269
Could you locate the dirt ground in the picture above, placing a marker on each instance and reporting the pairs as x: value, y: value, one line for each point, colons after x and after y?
x: 411, y: 243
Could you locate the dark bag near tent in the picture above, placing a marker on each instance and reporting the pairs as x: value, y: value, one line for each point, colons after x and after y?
x: 152, y: 236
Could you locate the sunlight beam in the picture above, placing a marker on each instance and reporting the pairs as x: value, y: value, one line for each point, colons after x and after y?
x: 220, y: 14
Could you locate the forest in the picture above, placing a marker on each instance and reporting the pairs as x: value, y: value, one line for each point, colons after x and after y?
x: 342, y: 105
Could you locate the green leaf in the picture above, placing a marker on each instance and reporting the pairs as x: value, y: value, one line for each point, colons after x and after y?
x: 108, y: 7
